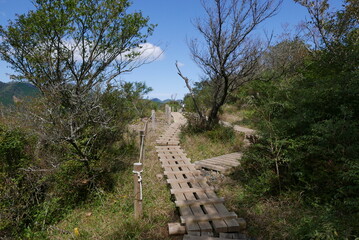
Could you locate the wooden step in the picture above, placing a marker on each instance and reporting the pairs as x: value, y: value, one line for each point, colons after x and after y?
x: 190, y: 237
x: 186, y: 180
x: 208, y: 217
x: 212, y: 167
x: 190, y: 190
x: 178, y: 165
x: 180, y: 203
x: 194, y: 172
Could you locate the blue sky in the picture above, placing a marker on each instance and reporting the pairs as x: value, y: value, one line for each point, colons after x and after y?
x: 174, y: 19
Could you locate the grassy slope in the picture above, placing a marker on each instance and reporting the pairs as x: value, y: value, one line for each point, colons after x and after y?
x: 111, y: 216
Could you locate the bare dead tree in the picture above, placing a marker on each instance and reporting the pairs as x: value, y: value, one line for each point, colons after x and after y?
x: 228, y: 55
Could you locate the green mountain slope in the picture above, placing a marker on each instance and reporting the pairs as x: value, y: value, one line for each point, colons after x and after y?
x: 17, y: 89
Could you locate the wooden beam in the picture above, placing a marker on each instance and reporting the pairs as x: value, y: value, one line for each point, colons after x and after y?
x: 176, y: 229
x: 194, y: 172
x: 178, y: 165
x: 191, y: 190
x: 198, y: 202
x: 196, y: 179
x: 208, y: 217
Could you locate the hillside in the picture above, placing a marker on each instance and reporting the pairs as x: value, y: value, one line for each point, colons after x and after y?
x: 17, y: 89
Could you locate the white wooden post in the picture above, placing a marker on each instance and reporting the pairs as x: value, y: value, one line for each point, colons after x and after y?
x: 137, y: 180
x: 153, y: 117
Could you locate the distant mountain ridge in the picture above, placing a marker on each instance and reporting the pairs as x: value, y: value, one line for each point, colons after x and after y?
x: 157, y: 100
x: 16, y: 90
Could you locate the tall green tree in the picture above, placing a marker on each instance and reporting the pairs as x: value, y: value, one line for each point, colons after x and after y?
x: 71, y: 50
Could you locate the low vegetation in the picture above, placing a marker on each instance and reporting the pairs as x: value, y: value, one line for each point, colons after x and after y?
x: 201, y: 144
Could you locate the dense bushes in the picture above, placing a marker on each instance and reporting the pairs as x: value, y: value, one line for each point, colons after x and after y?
x: 41, y: 182
x: 308, y: 122
x: 17, y: 195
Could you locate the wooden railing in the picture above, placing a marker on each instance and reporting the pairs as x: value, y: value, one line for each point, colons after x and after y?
x: 138, y: 166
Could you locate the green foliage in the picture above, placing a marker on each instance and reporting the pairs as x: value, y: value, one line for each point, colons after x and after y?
x: 203, y: 94
x: 309, y: 131
x: 35, y: 193
x: 221, y: 134
x: 16, y: 196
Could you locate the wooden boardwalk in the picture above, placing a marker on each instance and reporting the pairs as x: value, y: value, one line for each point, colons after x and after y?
x: 221, y: 164
x: 202, y: 211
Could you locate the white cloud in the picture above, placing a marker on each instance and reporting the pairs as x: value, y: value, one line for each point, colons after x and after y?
x: 148, y: 52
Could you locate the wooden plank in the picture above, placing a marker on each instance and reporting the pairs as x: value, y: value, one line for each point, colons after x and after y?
x: 168, y: 138
x: 213, y: 167
x: 208, y: 217
x: 177, y: 165
x: 191, y: 190
x: 185, y: 210
x: 189, y: 237
x: 172, y: 156
x: 219, y: 225
x: 176, y: 229
x: 232, y: 224
x: 232, y: 236
x: 220, y: 162
x: 173, y: 153
x: 167, y: 148
x: 191, y: 228
x: 168, y: 142
x: 162, y: 151
x: 191, y: 180
x: 165, y: 161
x: 197, y: 210
x: 195, y: 172
x: 175, y: 161
x: 180, y: 203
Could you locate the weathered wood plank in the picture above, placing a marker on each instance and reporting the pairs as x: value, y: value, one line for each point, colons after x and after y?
x: 180, y: 203
x: 185, y: 210
x: 213, y: 167
x: 219, y: 225
x: 177, y: 165
x: 195, y: 172
x: 191, y: 190
x: 191, y: 180
x: 208, y: 217
x: 189, y: 237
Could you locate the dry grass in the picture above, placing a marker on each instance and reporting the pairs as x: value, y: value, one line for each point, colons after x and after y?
x: 231, y: 114
x: 199, y: 146
x: 111, y: 216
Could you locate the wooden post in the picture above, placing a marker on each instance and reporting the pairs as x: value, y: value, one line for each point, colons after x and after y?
x: 142, y: 145
x: 137, y: 180
x: 169, y: 115
x: 166, y: 110
x: 153, y: 117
